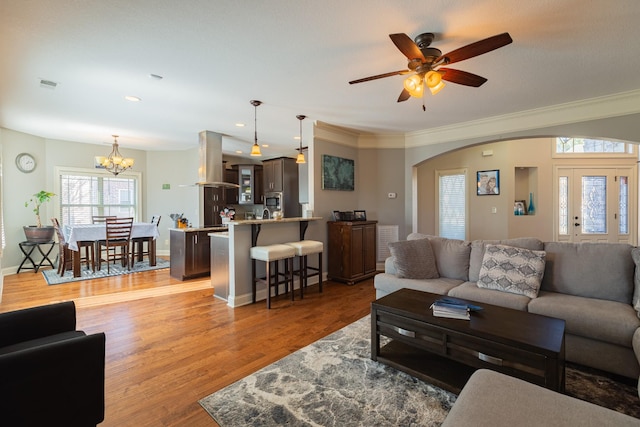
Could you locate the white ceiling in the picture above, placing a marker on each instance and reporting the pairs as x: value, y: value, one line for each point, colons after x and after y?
x: 297, y: 57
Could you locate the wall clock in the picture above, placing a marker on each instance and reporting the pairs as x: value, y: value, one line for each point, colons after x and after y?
x: 25, y: 162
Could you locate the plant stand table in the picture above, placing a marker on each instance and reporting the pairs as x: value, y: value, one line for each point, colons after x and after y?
x: 27, y: 249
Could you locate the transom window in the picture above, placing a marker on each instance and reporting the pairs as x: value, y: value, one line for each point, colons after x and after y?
x: 582, y: 147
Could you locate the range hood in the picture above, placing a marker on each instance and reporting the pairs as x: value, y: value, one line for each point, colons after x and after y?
x: 210, y: 167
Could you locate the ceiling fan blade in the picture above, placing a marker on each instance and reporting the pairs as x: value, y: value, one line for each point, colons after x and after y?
x: 407, y: 46
x: 380, y: 76
x: 404, y: 95
x: 461, y: 77
x: 477, y: 48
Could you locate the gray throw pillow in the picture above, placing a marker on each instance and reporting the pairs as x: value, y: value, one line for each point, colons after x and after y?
x: 635, y: 254
x: 510, y: 269
x: 414, y: 259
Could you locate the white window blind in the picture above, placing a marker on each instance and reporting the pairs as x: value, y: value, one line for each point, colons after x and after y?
x: 452, y: 204
x: 84, y: 194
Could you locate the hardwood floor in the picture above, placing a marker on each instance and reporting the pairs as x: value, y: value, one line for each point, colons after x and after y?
x: 167, y: 350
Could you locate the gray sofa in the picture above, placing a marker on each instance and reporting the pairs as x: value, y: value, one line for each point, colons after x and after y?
x: 492, y: 399
x: 592, y: 286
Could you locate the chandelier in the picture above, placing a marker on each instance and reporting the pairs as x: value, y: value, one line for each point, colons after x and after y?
x: 115, y: 162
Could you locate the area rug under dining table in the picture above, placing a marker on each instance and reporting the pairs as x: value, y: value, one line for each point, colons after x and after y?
x: 52, y: 277
x: 333, y: 382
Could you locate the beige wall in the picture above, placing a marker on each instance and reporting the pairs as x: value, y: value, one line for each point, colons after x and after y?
x: 509, y: 157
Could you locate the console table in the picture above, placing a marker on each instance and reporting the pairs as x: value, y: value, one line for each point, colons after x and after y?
x: 27, y: 249
x: 445, y: 352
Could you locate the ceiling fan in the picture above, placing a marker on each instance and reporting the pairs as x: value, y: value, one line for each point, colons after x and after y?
x: 427, y: 64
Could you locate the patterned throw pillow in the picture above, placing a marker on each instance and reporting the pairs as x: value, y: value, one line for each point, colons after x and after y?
x: 511, y: 269
x: 414, y: 259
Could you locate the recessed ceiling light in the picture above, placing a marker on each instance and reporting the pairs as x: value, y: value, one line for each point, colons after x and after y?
x: 240, y: 125
x: 132, y: 98
x: 155, y: 76
x: 238, y: 151
x: 296, y: 137
x: 265, y: 145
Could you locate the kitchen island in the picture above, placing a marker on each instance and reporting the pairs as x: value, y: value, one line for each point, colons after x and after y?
x: 189, y: 251
x: 244, y: 234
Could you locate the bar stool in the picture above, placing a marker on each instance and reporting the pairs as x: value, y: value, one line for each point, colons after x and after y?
x: 303, y: 249
x: 272, y: 254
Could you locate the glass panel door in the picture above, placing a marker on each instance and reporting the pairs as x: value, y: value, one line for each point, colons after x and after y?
x: 593, y: 205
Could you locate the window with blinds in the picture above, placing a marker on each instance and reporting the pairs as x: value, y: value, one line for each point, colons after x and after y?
x: 83, y: 195
x: 452, y: 204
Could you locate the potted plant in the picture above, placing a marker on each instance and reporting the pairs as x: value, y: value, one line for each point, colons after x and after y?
x: 38, y: 233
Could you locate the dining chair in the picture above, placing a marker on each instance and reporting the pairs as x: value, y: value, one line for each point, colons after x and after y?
x: 138, y: 250
x: 118, y: 235
x: 100, y: 219
x: 65, y: 255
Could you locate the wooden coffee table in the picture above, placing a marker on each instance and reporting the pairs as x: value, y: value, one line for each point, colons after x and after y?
x: 445, y: 352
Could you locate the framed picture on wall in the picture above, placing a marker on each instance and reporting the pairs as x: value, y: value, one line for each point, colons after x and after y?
x: 488, y: 182
x: 337, y: 173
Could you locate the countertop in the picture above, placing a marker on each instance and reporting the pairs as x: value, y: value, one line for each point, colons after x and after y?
x: 221, y: 234
x: 273, y: 221
x: 213, y: 229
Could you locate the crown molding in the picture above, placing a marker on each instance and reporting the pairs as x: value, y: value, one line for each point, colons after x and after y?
x: 335, y: 134
x: 560, y: 114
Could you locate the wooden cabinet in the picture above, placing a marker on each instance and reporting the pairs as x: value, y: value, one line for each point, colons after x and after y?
x: 189, y: 254
x: 214, y: 202
x: 216, y: 198
x: 251, y: 186
x: 231, y: 196
x: 351, y: 250
x: 280, y: 174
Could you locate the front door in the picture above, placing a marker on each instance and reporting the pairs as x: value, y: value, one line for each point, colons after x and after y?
x: 593, y: 205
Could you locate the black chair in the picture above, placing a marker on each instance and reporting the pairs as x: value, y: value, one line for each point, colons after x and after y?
x: 50, y: 373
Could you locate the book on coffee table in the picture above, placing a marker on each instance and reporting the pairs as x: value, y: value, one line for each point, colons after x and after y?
x: 453, y: 308
x: 452, y: 311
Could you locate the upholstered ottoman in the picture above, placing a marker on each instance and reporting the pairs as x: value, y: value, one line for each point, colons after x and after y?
x: 492, y: 399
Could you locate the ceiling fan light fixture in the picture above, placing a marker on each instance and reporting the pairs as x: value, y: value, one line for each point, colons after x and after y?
x: 437, y: 88
x: 432, y: 79
x: 414, y: 85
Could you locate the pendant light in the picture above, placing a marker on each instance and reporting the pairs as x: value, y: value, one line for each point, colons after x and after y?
x: 255, y: 150
x: 300, y: 158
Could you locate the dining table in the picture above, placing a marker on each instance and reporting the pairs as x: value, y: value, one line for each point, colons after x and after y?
x: 95, y: 232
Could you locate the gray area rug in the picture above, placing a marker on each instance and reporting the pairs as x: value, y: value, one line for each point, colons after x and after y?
x: 333, y: 382
x: 52, y: 277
